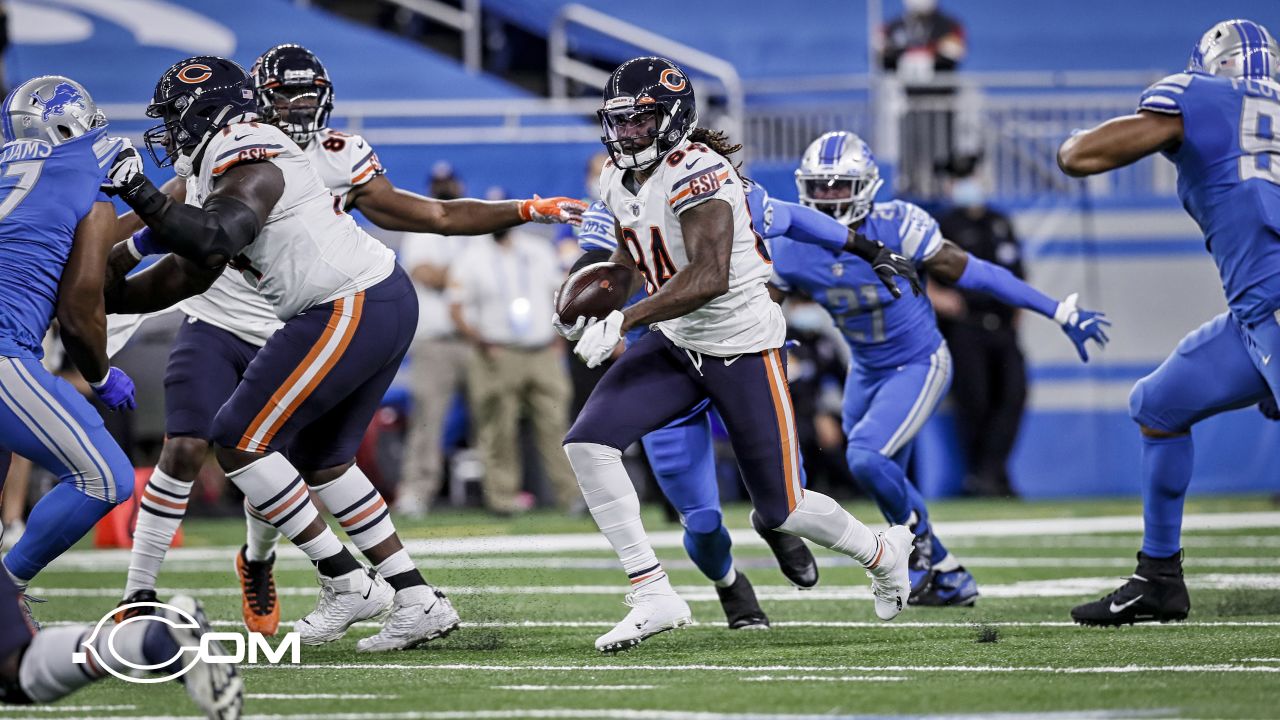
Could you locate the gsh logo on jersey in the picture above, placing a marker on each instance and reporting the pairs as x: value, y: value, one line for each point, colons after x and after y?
x: 187, y: 656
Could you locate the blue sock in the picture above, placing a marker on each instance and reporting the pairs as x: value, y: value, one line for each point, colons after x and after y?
x: 708, y: 544
x: 57, y: 522
x: 158, y: 647
x: 1166, y: 473
x: 922, y: 519
x: 884, y: 480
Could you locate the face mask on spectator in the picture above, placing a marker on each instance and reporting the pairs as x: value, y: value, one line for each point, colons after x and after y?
x: 807, y: 318
x: 968, y: 192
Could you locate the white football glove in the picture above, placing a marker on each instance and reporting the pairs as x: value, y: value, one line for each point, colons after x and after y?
x: 124, y: 169
x: 574, y: 331
x: 599, y: 339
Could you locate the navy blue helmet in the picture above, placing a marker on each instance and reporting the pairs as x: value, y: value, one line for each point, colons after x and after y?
x: 294, y: 92
x: 194, y: 99
x: 649, y: 109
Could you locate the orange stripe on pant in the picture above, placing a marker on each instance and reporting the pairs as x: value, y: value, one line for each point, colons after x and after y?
x: 781, y: 394
x: 263, y: 423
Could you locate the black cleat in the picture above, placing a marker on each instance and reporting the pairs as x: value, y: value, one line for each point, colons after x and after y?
x: 137, y: 596
x: 741, y: 607
x: 795, y: 560
x: 1154, y: 593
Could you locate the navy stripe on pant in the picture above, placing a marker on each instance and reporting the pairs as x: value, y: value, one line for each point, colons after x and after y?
x: 655, y: 381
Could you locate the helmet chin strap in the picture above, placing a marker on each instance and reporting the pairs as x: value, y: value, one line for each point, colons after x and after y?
x: 186, y: 162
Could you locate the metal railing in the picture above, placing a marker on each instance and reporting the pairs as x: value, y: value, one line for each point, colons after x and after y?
x: 466, y: 20
x: 563, y: 67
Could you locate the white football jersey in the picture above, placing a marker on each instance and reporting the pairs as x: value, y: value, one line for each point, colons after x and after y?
x: 744, y: 319
x: 231, y: 303
x: 310, y: 251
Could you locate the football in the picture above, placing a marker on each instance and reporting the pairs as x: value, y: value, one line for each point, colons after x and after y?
x: 594, y: 291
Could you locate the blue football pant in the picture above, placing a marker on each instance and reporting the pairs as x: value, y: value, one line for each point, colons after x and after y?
x: 1220, y: 366
x: 682, y: 458
x: 883, y: 411
x: 45, y: 420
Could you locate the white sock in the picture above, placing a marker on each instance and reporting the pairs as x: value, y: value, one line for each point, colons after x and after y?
x: 612, y: 500
x: 822, y: 520
x: 161, y: 508
x: 359, y: 508
x: 260, y: 536
x: 275, y: 490
x: 729, y: 578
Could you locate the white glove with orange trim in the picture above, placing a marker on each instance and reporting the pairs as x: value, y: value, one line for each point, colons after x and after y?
x: 552, y: 210
x: 599, y: 339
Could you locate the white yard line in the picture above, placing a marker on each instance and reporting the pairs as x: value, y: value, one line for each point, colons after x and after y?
x: 824, y: 678
x: 1061, y: 587
x: 1031, y: 669
x: 1030, y: 531
x: 5, y: 710
x: 317, y: 696
x: 540, y: 688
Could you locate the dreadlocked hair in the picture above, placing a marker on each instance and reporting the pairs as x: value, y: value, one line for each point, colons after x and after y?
x: 717, y: 140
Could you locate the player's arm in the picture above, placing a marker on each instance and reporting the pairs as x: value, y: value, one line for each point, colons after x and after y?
x: 1119, y: 142
x: 951, y: 265
x: 211, y: 235
x: 392, y: 208
x: 126, y: 254
x: 708, y: 238
x: 81, y: 311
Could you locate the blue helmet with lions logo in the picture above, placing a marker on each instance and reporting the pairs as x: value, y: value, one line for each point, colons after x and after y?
x: 194, y: 99
x: 649, y: 109
x: 1237, y: 48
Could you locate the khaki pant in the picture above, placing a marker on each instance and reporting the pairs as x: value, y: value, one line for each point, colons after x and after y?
x: 438, y: 370
x: 502, y: 387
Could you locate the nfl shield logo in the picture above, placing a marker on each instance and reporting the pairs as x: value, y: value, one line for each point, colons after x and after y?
x: 633, y: 207
x: 837, y: 269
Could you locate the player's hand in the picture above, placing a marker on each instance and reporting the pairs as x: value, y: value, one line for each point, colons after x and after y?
x: 572, y: 332
x: 552, y: 210
x: 1269, y: 409
x: 115, y: 390
x: 889, y: 265
x: 1082, y: 325
x: 125, y: 171
x: 599, y: 339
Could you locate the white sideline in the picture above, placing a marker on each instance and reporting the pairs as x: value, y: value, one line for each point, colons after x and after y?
x: 591, y: 541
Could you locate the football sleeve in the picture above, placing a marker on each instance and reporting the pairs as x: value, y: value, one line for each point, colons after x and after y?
x: 1167, y: 95
x: 365, y: 165
x: 596, y: 231
x: 697, y: 177
x: 919, y: 234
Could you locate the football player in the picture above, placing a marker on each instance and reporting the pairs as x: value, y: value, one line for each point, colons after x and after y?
x: 681, y: 454
x: 231, y: 321
x: 53, y: 223
x: 682, y: 222
x: 1217, y: 122
x: 902, y: 367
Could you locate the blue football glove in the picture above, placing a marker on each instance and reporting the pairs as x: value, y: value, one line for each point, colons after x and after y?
x: 115, y: 390
x: 1081, y: 325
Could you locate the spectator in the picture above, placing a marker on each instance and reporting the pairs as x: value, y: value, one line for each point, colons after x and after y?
x: 500, y: 294
x: 990, y: 380
x: 914, y: 47
x: 444, y: 183
x: 437, y: 369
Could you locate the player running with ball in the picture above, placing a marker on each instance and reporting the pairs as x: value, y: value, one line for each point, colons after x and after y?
x: 683, y: 223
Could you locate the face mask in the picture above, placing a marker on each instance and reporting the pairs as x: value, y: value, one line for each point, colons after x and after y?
x: 968, y: 193
x: 920, y: 7
x: 807, y: 318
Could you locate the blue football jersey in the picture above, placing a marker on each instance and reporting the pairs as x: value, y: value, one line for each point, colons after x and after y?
x: 45, y: 191
x: 1229, y: 178
x: 881, y: 331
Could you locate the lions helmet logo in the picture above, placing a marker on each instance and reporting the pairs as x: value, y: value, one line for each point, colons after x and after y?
x: 672, y: 80
x: 64, y: 94
x: 195, y: 74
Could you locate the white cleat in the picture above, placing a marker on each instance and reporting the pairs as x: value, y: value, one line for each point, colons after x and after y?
x: 344, y: 601
x: 655, y: 608
x: 890, y: 579
x: 413, y: 623
x: 216, y: 688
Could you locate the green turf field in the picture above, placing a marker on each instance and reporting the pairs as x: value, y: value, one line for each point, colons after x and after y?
x: 535, y: 593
